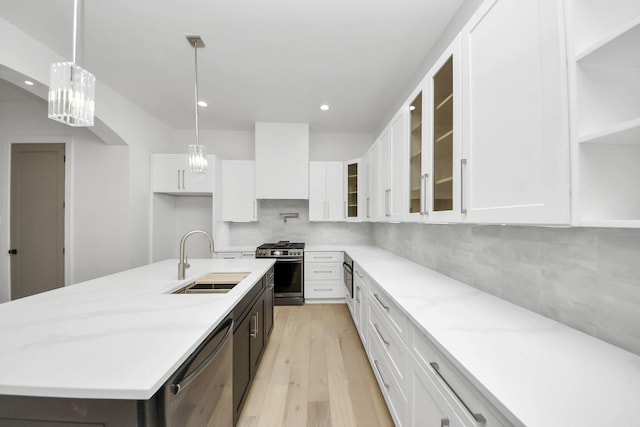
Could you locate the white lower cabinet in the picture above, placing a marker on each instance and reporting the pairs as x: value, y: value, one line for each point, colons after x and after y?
x: 428, y: 407
x: 392, y: 391
x: 420, y: 385
x: 323, y: 276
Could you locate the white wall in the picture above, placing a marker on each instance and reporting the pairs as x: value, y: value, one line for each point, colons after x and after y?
x: 98, y: 210
x: 240, y: 145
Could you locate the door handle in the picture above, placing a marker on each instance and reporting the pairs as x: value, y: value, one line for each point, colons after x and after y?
x: 13, y: 251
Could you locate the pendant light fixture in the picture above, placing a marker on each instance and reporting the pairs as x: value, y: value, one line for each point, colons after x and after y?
x: 72, y: 88
x: 197, y: 152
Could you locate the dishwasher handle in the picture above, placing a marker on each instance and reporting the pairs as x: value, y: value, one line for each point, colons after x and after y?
x: 347, y: 267
x: 179, y: 385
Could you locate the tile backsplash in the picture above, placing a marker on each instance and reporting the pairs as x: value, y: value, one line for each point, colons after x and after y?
x: 587, y: 278
x: 272, y: 228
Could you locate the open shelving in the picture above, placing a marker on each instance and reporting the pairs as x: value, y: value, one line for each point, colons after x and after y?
x: 606, y: 36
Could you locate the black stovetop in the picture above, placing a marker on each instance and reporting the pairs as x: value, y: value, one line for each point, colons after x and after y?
x: 283, y: 244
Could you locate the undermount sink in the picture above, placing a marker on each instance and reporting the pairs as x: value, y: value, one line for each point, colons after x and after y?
x: 213, y: 283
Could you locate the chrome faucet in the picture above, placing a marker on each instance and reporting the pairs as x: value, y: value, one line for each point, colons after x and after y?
x: 184, y: 264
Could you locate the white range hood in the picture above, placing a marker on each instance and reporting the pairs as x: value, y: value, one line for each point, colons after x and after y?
x: 282, y: 160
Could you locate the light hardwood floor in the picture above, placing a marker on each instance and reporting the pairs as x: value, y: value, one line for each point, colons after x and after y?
x: 314, y: 372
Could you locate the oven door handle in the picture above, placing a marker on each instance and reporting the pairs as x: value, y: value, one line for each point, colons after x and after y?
x: 299, y: 261
x: 347, y: 268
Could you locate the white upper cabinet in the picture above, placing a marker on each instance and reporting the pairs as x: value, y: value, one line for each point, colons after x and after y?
x: 170, y: 174
x: 393, y: 142
x: 326, y: 191
x: 375, y: 191
x: 516, y: 140
x: 442, y: 164
x: 604, y: 64
x: 282, y: 160
x: 239, y: 191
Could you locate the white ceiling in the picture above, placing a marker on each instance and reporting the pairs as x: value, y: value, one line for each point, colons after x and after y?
x: 264, y: 60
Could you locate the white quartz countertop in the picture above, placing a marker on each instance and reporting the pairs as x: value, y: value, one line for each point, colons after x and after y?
x: 543, y: 372
x: 116, y: 337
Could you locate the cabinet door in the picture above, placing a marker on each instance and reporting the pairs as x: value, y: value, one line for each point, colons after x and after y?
x: 317, y: 191
x: 386, y: 163
x: 365, y: 191
x: 239, y: 191
x: 256, y: 346
x: 427, y: 406
x: 268, y: 306
x: 198, y: 182
x: 334, y: 191
x: 444, y: 179
x: 416, y: 184
x: 399, y: 145
x: 516, y: 124
x: 242, y: 363
x: 375, y: 185
x: 353, y: 195
x: 166, y: 173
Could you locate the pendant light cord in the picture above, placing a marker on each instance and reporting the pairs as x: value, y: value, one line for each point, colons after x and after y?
x: 75, y: 28
x: 196, y: 90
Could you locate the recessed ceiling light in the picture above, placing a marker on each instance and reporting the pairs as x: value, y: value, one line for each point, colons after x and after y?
x: 202, y: 103
x: 324, y: 107
x: 28, y: 82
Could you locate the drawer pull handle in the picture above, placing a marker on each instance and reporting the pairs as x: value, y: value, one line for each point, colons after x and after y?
x: 381, y: 303
x: 323, y: 290
x: 375, y: 325
x: 323, y: 271
x: 476, y: 416
x: 359, y: 275
x: 384, y: 383
x: 358, y: 294
x: 321, y: 257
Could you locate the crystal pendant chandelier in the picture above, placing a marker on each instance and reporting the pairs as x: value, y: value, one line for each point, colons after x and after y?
x: 72, y: 88
x: 197, y: 152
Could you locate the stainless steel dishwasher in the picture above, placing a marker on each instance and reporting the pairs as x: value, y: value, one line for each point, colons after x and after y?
x: 200, y: 392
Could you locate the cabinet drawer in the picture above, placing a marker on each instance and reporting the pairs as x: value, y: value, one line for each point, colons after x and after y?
x: 322, y: 289
x: 323, y: 257
x: 228, y: 255
x: 322, y: 271
x: 470, y: 404
x: 391, y: 311
x: 390, y: 342
x: 391, y: 390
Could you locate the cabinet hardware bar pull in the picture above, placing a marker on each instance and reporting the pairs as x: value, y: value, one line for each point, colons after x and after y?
x: 384, y: 383
x: 254, y: 330
x: 359, y: 275
x: 183, y: 186
x: 421, y: 194
x: 381, y: 303
x: 322, y: 271
x: 178, y: 179
x: 346, y: 214
x: 375, y: 325
x: 358, y: 294
x: 323, y: 290
x: 368, y: 207
x: 476, y: 416
x: 426, y: 200
x: 321, y: 257
x: 463, y: 163
x: 444, y: 422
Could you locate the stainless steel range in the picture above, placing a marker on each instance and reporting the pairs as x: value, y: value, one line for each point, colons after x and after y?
x: 289, y: 270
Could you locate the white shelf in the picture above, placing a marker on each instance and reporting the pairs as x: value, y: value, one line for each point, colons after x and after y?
x: 622, y: 133
x: 444, y: 180
x: 445, y: 136
x: 444, y: 101
x: 618, y: 48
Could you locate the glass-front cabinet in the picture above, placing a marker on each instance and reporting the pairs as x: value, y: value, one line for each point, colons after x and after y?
x: 444, y: 138
x: 415, y: 156
x: 354, y: 191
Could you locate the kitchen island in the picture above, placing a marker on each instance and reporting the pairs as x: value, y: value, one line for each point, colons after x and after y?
x: 119, y: 337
